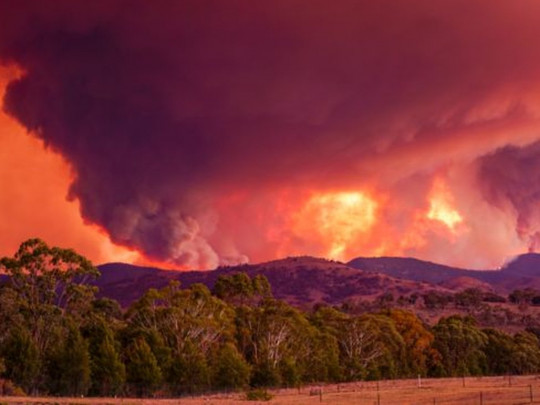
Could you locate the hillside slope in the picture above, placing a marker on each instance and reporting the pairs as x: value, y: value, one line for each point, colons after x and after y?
x: 522, y: 272
x: 302, y: 281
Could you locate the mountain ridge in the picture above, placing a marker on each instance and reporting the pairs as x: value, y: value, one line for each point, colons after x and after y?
x: 306, y: 280
x: 516, y: 273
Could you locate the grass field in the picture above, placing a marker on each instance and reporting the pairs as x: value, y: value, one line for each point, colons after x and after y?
x: 471, y: 390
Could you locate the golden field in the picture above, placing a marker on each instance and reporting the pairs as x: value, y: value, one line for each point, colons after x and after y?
x: 471, y: 390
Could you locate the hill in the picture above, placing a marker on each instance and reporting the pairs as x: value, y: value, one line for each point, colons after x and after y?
x: 411, y: 269
x: 301, y: 281
x: 521, y: 272
x: 526, y: 265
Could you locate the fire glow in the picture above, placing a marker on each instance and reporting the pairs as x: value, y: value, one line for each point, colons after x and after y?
x: 441, y: 206
x: 341, y: 224
x: 338, y: 219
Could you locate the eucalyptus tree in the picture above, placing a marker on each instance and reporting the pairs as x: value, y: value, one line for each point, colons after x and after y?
x: 461, y: 345
x: 274, y: 338
x: 107, y: 367
x: 229, y: 368
x: 526, y: 358
x: 370, y: 347
x: 418, y: 340
x: 240, y: 289
x: 68, y: 369
x: 183, y: 327
x: 143, y: 372
x: 47, y: 288
x: 499, y: 350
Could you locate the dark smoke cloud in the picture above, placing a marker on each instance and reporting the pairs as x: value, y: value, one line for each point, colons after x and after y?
x: 511, y: 180
x: 165, y: 108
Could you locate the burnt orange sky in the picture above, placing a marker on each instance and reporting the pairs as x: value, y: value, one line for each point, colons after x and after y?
x: 194, y: 134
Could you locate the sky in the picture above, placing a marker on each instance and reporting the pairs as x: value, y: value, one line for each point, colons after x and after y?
x: 201, y: 133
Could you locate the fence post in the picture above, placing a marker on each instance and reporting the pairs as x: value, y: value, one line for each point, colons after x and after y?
x: 481, y: 398
x: 320, y: 395
x: 378, y: 399
x: 531, y: 393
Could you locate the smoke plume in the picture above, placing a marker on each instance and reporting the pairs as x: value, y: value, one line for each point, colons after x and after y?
x: 195, y: 128
x: 511, y: 180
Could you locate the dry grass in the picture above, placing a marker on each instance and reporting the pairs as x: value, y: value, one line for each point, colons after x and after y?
x: 484, y: 390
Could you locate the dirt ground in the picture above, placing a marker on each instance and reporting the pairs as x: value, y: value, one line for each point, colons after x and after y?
x: 482, y: 390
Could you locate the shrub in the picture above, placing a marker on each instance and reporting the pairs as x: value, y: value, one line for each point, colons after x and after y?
x: 7, y: 388
x: 258, y: 395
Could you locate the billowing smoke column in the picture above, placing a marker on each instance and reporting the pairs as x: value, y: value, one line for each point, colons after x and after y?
x: 181, y: 119
x: 511, y: 180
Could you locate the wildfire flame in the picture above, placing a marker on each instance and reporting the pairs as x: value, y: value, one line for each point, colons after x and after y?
x: 338, y: 219
x: 344, y: 224
x: 441, y: 203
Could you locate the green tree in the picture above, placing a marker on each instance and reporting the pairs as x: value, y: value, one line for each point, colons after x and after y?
x: 237, y: 287
x: 461, y: 345
x: 189, y: 371
x: 240, y: 289
x: 523, y: 297
x: 435, y: 300
x: 46, y: 285
x: 22, y: 360
x: 291, y: 371
x: 469, y: 298
x: 261, y: 286
x: 108, y: 309
x: 370, y: 347
x: 179, y: 317
x: 69, y: 371
x: 417, y: 340
x: 269, y: 336
x: 10, y: 312
x: 499, y: 351
x: 143, y: 371
x: 108, y: 370
x: 320, y: 357
x: 230, y: 370
x: 49, y: 276
x: 527, y: 353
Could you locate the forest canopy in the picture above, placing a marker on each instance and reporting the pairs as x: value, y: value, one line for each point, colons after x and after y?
x: 58, y: 338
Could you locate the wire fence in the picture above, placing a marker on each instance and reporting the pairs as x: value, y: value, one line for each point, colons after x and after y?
x: 470, y: 390
x: 502, y: 390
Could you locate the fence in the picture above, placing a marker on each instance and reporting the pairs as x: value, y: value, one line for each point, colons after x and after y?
x: 505, y: 390
x: 470, y: 390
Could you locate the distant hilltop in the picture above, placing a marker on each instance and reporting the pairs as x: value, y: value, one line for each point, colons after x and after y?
x: 307, y: 280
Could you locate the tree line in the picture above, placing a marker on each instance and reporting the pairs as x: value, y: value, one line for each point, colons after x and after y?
x: 57, y: 338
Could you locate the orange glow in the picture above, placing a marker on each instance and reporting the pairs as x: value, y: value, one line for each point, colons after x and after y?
x: 144, y: 261
x: 342, y: 224
x: 440, y: 206
x: 337, y: 220
x: 33, y: 203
